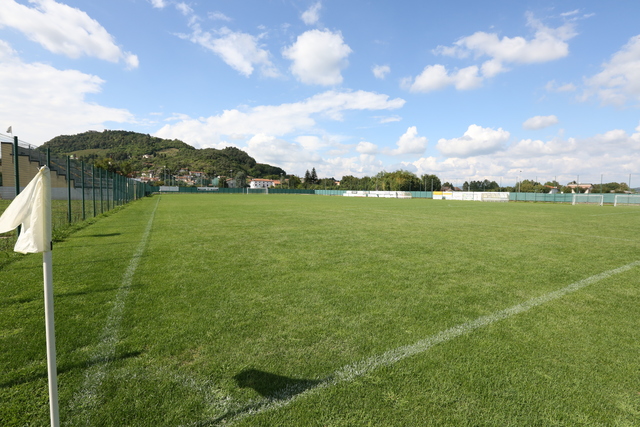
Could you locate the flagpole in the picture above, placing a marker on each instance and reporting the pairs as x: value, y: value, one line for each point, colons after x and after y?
x: 47, y: 269
x: 51, y: 338
x: 32, y: 209
x: 50, y: 331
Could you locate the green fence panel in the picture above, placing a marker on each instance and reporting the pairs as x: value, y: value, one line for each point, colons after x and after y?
x: 187, y: 189
x: 330, y: 192
x: 421, y: 194
x: 291, y: 191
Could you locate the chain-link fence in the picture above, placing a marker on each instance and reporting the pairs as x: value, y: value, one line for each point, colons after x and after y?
x: 79, y: 191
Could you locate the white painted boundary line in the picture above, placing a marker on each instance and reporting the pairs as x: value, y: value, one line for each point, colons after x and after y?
x: 87, y: 398
x: 350, y: 372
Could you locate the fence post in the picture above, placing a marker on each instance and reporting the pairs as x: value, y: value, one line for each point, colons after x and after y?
x: 106, y: 188
x: 93, y: 188
x: 110, y: 186
x: 16, y: 165
x: 82, y: 180
x: 69, y: 188
x: 101, y: 197
x: 16, y: 168
x: 113, y: 190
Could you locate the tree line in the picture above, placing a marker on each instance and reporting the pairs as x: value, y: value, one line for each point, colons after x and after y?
x: 402, y: 180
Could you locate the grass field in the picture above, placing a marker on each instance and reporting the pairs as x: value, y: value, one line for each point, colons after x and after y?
x: 204, y: 310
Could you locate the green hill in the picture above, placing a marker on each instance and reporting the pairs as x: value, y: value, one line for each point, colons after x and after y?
x: 132, y: 152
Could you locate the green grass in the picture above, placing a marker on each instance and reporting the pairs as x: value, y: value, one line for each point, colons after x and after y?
x: 239, y: 297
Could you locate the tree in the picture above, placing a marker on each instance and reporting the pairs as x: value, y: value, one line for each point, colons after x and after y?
x: 431, y: 182
x: 349, y: 182
x: 314, y: 176
x: 294, y: 181
x: 448, y: 185
x: 241, y: 179
x: 401, y: 180
x: 529, y: 186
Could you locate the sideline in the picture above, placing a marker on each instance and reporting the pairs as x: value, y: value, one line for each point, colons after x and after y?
x: 350, y: 372
x: 88, y: 398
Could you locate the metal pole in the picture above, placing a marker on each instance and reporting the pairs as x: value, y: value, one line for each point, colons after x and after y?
x: 69, y: 188
x: 101, y: 198
x: 16, y: 166
x: 84, y: 216
x: 107, y: 189
x: 49, y: 157
x: 93, y: 188
x: 114, y: 187
x: 50, y: 338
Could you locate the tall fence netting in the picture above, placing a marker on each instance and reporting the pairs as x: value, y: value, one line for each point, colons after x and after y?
x: 79, y: 191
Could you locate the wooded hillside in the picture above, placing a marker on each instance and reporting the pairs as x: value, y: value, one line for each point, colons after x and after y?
x: 130, y: 152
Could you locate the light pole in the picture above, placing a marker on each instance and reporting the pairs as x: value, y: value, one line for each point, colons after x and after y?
x: 519, y: 182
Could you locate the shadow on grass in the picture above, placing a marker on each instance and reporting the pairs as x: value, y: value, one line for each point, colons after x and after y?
x: 271, y: 385
x: 273, y: 388
x: 22, y: 300
x: 103, y: 235
x: 94, y: 291
x: 65, y: 368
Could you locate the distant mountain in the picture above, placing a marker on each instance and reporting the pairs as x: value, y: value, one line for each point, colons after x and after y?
x: 130, y: 152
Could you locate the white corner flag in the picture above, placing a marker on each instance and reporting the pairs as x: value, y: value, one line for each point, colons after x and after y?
x: 32, y: 209
x: 9, y: 130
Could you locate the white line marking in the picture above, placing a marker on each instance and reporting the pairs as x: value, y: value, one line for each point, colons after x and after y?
x: 350, y: 372
x: 87, y: 398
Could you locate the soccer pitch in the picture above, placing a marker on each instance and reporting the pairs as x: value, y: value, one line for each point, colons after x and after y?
x: 204, y: 310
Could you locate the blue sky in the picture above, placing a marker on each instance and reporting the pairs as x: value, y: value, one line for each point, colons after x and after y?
x: 466, y: 90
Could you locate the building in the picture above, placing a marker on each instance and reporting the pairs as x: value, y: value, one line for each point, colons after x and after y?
x: 586, y: 188
x: 262, y: 183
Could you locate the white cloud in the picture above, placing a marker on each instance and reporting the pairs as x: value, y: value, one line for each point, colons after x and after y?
x: 475, y: 141
x: 6, y: 51
x: 570, y: 13
x: 539, y: 122
x: 548, y: 44
x: 276, y: 120
x: 365, y: 147
x: 238, y: 50
x: 619, y: 80
x: 312, y: 15
x: 388, y: 119
x: 435, y: 77
x: 42, y: 102
x: 318, y: 57
x: 184, y: 8
x: 219, y: 16
x: 530, y: 148
x: 272, y: 150
x: 381, y: 71
x: 65, y: 30
x: 410, y: 143
x: 316, y: 143
x: 364, y: 164
x: 552, y: 86
x: 159, y: 4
